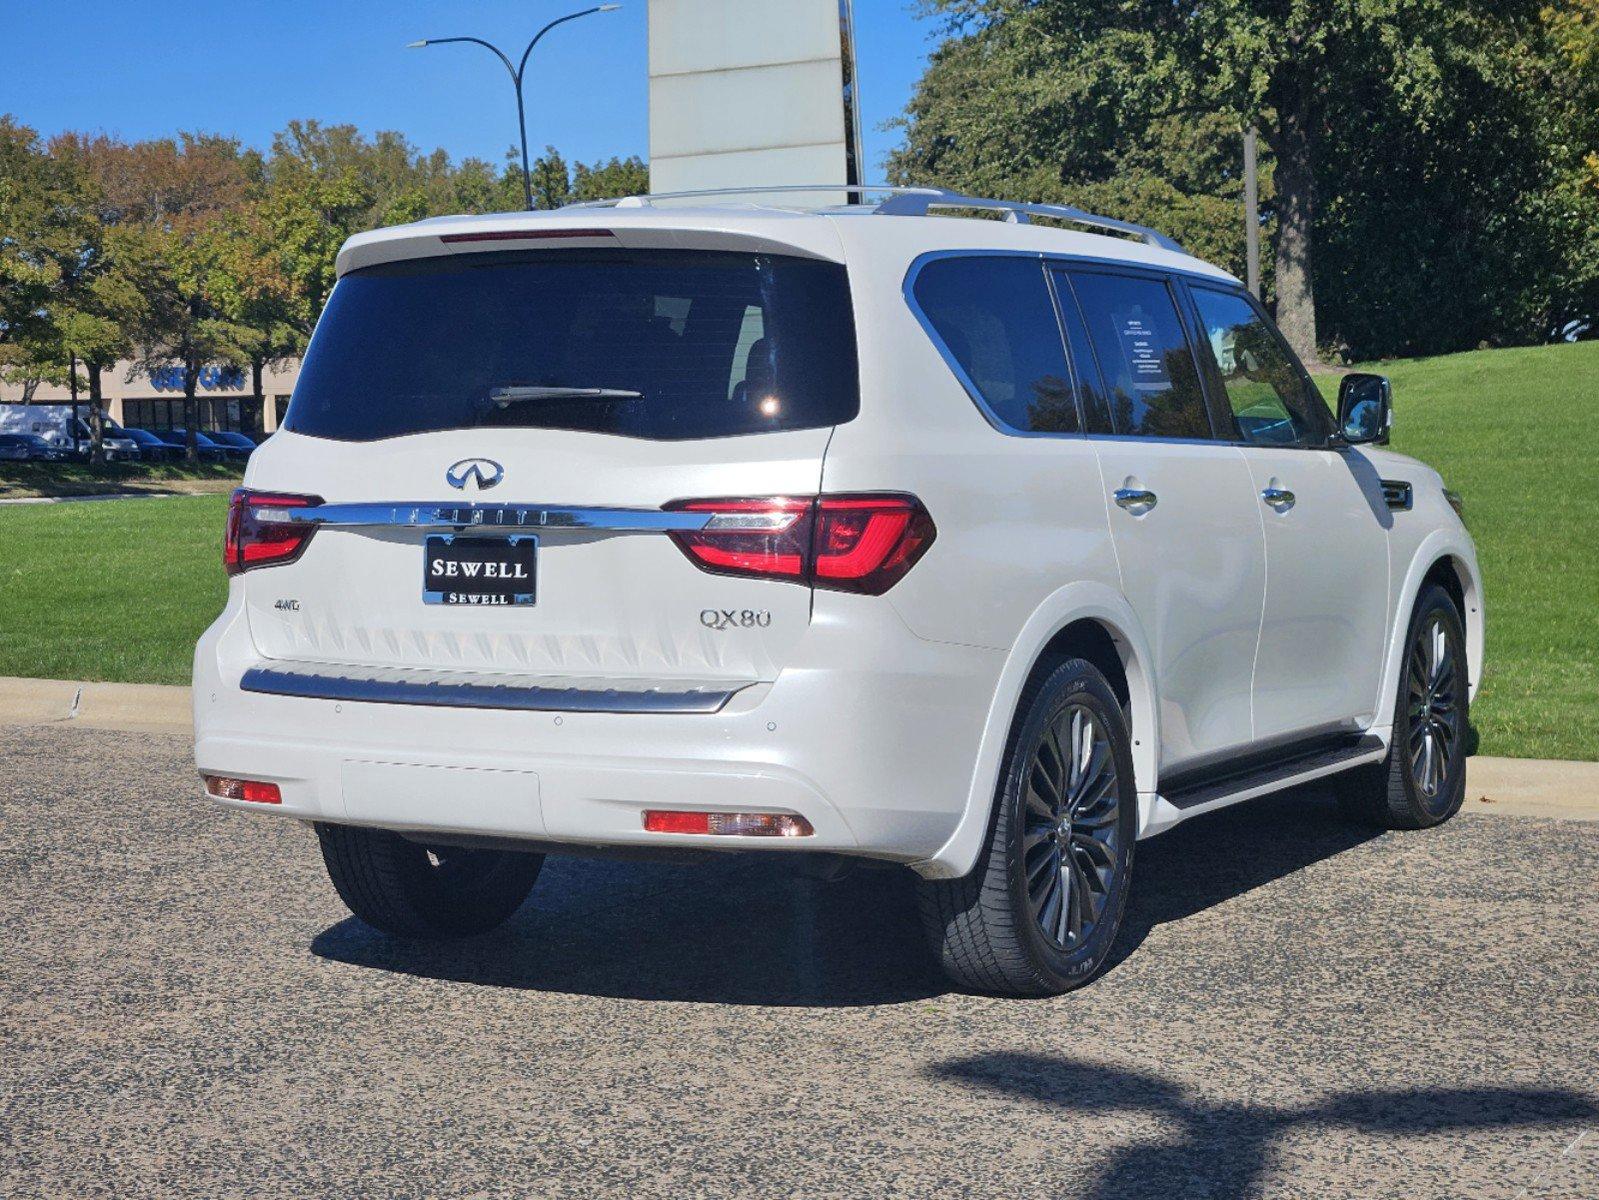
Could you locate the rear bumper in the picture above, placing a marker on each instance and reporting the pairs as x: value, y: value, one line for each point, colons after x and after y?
x: 870, y: 733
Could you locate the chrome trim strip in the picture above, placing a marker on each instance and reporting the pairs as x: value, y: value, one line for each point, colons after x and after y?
x: 419, y: 514
x: 462, y: 689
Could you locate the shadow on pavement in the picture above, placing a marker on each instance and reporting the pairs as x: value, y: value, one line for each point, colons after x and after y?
x: 743, y: 932
x: 1217, y: 856
x: 1220, y: 1150
x: 746, y: 932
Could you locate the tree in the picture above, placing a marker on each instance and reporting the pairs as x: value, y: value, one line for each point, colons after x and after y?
x: 101, y: 300
x: 607, y: 180
x: 254, y: 291
x: 1570, y: 47
x: 552, y: 182
x: 42, y: 229
x: 1073, y: 89
x: 175, y: 197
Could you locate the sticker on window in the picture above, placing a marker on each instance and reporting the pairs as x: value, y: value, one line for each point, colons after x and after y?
x: 1141, y: 345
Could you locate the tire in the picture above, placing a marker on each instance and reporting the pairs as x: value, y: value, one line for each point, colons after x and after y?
x: 1403, y: 791
x: 410, y: 890
x: 995, y: 930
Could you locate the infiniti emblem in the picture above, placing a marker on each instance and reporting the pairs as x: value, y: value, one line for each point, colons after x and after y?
x: 484, y: 472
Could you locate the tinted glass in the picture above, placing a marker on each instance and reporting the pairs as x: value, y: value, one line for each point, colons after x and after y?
x: 680, y: 344
x: 1150, y: 377
x: 1265, y: 390
x: 996, y: 318
x: 1090, y: 382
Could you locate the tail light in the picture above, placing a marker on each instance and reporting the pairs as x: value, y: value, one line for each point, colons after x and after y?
x: 255, y: 539
x: 862, y: 543
x: 727, y: 824
x: 254, y: 791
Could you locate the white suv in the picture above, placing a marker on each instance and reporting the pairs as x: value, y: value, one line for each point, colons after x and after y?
x: 983, y: 547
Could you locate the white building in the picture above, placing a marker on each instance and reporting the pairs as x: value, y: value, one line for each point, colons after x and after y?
x: 153, y: 399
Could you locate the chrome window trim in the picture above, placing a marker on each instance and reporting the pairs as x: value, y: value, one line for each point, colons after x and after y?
x: 431, y: 514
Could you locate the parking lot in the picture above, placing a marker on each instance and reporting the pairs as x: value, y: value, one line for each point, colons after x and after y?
x: 1302, y: 1008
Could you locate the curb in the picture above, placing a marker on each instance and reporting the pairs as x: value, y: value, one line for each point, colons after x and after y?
x: 88, y: 499
x: 1524, y: 787
x: 1532, y: 787
x: 128, y: 707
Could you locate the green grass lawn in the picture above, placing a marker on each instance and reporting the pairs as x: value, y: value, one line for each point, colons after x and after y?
x: 116, y: 590
x: 121, y: 590
x: 1516, y: 432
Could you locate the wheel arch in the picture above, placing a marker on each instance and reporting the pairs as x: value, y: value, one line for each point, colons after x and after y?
x: 1451, y: 562
x: 1083, y: 620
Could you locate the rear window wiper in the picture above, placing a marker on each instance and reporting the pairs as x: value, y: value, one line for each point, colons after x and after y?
x: 504, y: 397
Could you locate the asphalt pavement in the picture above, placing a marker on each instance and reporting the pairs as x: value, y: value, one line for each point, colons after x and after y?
x: 1299, y: 1008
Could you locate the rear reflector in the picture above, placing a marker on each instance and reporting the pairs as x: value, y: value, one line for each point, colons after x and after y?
x: 225, y: 788
x: 727, y: 824
x: 525, y: 235
x: 255, y: 539
x: 855, y: 543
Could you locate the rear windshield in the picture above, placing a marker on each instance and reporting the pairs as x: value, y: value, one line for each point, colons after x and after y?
x: 649, y: 344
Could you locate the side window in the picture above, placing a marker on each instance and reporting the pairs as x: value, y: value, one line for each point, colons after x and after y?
x: 1265, y: 390
x: 1150, y: 375
x: 995, y: 317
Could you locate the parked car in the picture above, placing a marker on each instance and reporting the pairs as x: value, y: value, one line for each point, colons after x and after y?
x: 150, y: 447
x: 234, y: 445
x: 204, y: 447
x: 115, y: 444
x: 29, y: 447
x: 984, y: 548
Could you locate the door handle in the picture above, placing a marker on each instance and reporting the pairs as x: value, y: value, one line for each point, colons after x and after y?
x: 1278, y: 498
x: 1137, y: 501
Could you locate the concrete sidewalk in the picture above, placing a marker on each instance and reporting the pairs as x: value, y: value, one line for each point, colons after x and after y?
x: 1527, y: 787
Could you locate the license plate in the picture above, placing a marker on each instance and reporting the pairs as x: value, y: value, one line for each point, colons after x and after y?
x: 489, y: 572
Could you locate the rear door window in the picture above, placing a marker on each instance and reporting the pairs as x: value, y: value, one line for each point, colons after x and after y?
x: 994, y: 316
x: 1151, y: 377
x: 657, y: 344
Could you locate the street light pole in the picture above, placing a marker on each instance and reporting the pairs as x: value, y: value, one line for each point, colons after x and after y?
x: 517, y: 74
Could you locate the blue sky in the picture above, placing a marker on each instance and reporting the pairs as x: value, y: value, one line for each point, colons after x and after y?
x: 246, y: 69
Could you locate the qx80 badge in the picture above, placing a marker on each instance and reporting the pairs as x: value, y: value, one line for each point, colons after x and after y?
x: 482, y: 473
x: 726, y: 618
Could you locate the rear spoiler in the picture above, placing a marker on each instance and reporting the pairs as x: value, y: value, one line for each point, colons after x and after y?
x: 758, y: 232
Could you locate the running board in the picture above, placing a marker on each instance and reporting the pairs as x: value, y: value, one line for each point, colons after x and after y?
x: 1184, y: 802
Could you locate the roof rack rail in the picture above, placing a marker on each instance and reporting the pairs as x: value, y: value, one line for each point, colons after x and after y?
x: 911, y: 202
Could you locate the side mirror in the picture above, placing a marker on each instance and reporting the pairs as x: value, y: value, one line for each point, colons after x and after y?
x: 1365, y: 409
